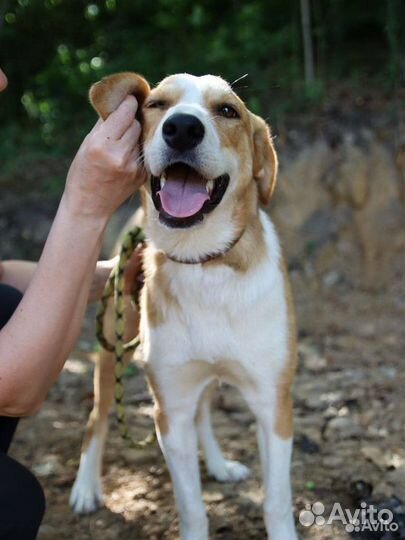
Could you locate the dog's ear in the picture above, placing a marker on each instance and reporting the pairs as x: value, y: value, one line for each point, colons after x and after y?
x: 265, y: 162
x: 107, y: 94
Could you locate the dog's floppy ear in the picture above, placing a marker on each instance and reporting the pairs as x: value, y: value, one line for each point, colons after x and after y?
x: 265, y: 162
x: 107, y: 94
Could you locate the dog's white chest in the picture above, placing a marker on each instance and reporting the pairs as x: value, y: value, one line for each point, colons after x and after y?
x: 221, y: 315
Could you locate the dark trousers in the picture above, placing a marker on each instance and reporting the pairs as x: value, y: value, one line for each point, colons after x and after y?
x: 22, y: 501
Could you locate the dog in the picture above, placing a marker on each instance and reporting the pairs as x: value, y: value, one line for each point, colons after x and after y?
x: 216, y: 305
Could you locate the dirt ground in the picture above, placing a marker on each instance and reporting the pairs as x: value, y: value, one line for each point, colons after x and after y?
x: 349, y: 428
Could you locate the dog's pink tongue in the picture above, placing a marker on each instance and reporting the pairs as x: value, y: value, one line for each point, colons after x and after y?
x: 184, y: 192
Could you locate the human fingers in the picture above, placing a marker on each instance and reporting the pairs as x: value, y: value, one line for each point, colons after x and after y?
x: 131, y: 137
x: 119, y: 120
x: 3, y: 80
x: 133, y: 270
x: 96, y: 126
x: 136, y: 163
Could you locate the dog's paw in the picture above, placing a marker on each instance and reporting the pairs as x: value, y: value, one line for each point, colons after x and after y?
x: 229, y: 471
x: 86, y: 496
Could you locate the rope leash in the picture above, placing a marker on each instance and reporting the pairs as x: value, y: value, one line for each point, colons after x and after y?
x: 115, y: 288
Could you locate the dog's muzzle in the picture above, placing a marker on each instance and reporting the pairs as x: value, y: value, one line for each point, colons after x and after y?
x: 183, y: 132
x: 182, y: 195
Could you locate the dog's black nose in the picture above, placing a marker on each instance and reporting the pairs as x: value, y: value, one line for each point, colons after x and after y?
x: 183, y: 131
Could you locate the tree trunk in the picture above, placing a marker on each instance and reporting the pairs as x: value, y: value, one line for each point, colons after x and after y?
x: 307, y: 41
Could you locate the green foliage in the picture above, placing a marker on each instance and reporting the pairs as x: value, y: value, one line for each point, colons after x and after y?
x: 53, y: 50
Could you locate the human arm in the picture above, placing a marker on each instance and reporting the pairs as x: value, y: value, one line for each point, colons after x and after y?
x: 36, y: 341
x: 104, y: 269
x: 17, y: 274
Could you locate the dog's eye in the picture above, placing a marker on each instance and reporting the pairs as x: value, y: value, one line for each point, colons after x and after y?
x: 156, y: 104
x: 227, y: 111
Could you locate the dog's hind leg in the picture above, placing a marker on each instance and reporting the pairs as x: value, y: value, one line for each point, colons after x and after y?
x: 218, y: 467
x: 87, y: 495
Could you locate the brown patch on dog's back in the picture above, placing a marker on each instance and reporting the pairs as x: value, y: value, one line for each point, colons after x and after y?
x: 157, y: 296
x: 153, y: 313
x: 284, y: 405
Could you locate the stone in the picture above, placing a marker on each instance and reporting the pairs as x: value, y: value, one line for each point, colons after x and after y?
x: 342, y: 427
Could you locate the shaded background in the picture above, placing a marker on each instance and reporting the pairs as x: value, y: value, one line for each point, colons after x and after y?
x: 329, y: 77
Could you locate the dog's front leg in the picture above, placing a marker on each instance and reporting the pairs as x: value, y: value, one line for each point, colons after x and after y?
x: 276, y: 456
x: 275, y: 446
x: 179, y: 446
x: 175, y: 409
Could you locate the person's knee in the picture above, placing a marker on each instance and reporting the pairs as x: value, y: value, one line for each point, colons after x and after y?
x: 36, y: 499
x: 22, y: 500
x: 10, y: 298
x: 30, y: 494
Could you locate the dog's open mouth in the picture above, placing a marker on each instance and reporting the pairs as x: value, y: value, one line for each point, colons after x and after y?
x: 182, y: 195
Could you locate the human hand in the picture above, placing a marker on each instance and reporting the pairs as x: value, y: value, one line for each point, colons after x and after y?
x: 133, y: 270
x: 105, y: 169
x: 3, y: 81
x: 101, y: 274
x: 104, y: 268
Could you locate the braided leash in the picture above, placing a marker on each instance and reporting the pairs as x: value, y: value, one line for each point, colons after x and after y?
x: 115, y: 288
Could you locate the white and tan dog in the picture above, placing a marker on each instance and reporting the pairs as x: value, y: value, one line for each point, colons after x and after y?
x: 216, y: 305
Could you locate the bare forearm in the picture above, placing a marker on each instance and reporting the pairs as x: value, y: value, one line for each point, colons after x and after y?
x: 53, y: 305
x: 18, y: 274
x: 35, y: 342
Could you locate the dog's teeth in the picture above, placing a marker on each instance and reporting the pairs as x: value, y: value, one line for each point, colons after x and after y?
x: 162, y: 182
x: 209, y: 186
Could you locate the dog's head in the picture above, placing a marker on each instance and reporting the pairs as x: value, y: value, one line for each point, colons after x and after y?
x: 208, y: 158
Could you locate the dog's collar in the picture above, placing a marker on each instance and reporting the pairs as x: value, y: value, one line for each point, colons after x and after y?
x: 209, y: 257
